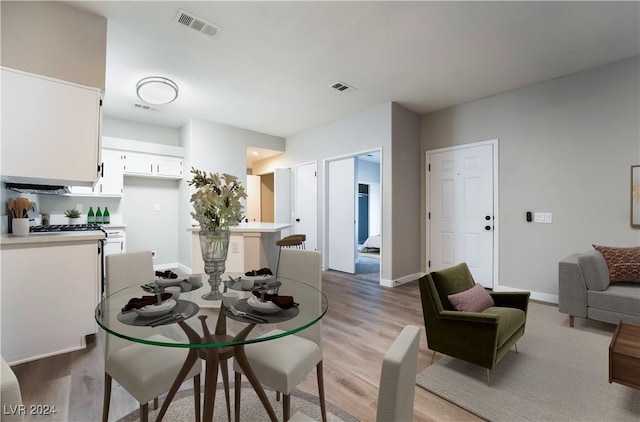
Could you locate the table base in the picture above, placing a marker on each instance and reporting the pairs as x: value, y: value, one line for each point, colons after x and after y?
x: 214, y: 357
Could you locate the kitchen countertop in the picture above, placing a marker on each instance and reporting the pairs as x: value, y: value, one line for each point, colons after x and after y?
x: 252, y: 228
x: 34, y: 238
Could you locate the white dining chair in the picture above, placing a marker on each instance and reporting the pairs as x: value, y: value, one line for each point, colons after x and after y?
x: 145, y: 371
x: 397, y: 379
x: 284, y: 362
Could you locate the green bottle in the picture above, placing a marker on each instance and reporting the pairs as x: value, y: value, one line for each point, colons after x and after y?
x: 105, y: 216
x: 91, y: 217
x: 98, y: 216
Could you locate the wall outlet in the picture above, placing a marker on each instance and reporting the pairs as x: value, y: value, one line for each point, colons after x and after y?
x: 156, y: 207
x: 79, y: 208
x: 153, y: 254
x: 235, y: 248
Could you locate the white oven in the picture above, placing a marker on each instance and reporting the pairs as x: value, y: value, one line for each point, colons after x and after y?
x: 115, y: 241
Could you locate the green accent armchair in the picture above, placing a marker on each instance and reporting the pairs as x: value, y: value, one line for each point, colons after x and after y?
x: 482, y: 338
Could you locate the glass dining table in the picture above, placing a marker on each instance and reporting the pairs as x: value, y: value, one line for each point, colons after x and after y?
x: 186, y: 326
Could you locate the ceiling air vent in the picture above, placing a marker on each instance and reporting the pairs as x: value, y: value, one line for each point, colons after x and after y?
x: 144, y: 107
x: 194, y: 22
x: 342, y: 87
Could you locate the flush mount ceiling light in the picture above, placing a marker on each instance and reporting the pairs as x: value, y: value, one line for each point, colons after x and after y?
x: 157, y: 90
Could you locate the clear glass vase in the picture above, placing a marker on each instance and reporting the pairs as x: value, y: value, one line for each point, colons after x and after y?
x: 214, y: 246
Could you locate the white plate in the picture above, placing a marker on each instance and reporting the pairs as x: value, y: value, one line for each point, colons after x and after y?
x: 255, y: 278
x: 263, y: 307
x: 157, y: 309
x: 163, y: 282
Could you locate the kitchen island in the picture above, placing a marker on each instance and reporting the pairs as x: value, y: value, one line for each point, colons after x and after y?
x: 251, y: 246
x: 50, y: 288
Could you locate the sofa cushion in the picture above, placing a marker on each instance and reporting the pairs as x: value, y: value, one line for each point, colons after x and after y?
x: 594, y: 270
x: 511, y: 319
x: 620, y: 297
x: 475, y: 299
x: 623, y: 263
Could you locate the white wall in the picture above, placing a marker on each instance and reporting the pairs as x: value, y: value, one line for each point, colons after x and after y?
x: 214, y: 148
x: 353, y: 135
x: 566, y: 147
x: 126, y: 129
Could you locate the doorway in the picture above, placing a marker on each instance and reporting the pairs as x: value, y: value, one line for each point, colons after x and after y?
x: 353, y: 214
x: 462, y: 195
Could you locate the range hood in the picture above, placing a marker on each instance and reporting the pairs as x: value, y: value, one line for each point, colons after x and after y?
x: 37, y: 189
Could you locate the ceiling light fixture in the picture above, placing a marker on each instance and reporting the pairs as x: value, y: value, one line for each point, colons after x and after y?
x: 157, y: 90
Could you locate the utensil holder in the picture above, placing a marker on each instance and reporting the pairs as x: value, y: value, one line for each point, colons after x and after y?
x: 20, y: 226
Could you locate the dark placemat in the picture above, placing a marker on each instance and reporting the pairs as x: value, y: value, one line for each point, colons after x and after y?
x: 281, y: 316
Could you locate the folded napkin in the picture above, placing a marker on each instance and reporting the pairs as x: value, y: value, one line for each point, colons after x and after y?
x: 285, y: 302
x: 139, y: 302
x: 167, y: 274
x: 261, y: 271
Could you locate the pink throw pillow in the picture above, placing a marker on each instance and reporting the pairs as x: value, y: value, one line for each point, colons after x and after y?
x: 476, y: 299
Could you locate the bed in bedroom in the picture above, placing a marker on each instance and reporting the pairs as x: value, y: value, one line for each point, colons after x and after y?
x: 371, y: 245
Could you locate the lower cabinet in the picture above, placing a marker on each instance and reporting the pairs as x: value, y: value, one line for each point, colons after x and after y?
x: 49, y: 295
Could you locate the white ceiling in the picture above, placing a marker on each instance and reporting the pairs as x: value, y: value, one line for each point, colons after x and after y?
x: 269, y: 68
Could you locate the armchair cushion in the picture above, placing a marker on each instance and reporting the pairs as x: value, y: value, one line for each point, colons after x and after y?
x: 510, y: 321
x: 475, y: 299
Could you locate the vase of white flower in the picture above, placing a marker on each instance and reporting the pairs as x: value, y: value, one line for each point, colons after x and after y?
x: 217, y: 206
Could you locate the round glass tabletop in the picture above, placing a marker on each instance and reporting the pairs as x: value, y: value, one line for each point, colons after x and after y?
x: 122, y: 314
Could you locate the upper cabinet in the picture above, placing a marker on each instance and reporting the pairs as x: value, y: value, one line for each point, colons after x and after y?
x: 148, y: 159
x: 111, y: 181
x: 53, y: 75
x: 50, y: 130
x: 151, y: 165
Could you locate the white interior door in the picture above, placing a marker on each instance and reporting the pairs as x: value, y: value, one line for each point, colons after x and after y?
x: 306, y: 203
x: 253, y: 199
x: 341, y: 211
x: 461, y: 210
x: 282, y: 197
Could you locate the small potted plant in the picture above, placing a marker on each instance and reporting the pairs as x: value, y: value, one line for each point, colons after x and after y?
x: 73, y: 216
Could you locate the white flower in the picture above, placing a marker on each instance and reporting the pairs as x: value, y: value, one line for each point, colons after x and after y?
x: 217, y: 200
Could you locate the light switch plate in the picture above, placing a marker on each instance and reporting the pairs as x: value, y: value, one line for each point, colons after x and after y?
x: 542, y: 217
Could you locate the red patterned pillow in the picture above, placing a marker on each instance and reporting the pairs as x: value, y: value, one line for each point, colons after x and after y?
x: 623, y: 263
x: 476, y: 299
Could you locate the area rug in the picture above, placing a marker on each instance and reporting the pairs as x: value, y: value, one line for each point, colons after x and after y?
x: 559, y: 374
x: 181, y: 408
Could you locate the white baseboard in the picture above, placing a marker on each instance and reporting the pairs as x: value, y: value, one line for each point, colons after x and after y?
x: 399, y: 281
x: 542, y: 297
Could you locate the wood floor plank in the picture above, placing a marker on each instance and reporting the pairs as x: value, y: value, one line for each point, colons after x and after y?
x: 362, y: 321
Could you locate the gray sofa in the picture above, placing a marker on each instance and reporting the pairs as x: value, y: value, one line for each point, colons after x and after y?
x: 585, y: 291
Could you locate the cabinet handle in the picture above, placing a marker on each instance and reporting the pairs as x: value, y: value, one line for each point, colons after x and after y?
x: 151, y: 168
x: 158, y: 168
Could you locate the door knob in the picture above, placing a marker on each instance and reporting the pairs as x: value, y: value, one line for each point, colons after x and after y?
x: 297, y: 220
x: 487, y: 217
x: 487, y: 228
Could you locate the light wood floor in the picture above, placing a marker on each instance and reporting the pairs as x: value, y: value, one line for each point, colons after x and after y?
x: 362, y: 321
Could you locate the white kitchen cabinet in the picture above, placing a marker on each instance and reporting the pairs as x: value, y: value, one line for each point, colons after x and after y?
x: 111, y: 182
x: 50, y: 130
x: 151, y: 165
x: 49, y: 293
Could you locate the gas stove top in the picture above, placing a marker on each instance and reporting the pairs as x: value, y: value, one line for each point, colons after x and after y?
x: 48, y: 228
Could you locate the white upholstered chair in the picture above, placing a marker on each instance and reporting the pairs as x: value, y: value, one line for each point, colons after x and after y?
x: 397, y: 379
x: 283, y: 363
x: 143, y: 370
x: 10, y: 395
